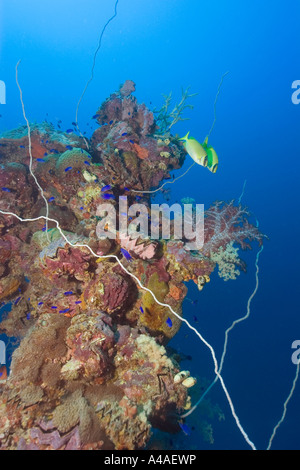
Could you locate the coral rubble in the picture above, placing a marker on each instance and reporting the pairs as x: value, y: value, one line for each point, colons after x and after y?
x: 92, y: 370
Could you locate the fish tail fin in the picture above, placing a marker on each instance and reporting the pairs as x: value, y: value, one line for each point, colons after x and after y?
x: 185, y: 137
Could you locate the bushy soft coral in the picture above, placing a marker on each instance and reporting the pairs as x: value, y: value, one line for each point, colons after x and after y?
x: 225, y: 223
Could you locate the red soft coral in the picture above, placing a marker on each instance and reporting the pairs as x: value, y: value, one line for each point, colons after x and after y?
x: 225, y: 223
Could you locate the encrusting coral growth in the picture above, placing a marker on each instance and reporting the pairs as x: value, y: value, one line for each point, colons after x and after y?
x: 92, y: 369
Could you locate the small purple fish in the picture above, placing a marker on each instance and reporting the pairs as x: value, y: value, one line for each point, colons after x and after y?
x: 96, y: 116
x: 40, y: 303
x: 68, y: 169
x: 185, y: 429
x: 68, y: 147
x: 169, y: 322
x: 54, y: 307
x: 17, y: 301
x: 131, y: 141
x: 51, y: 199
x: 28, y: 316
x: 40, y: 160
x: 64, y: 311
x: 22, y: 146
x: 78, y: 302
x: 110, y: 122
x: 108, y: 196
x: 141, y: 309
x: 6, y: 190
x: 125, y: 133
x: 87, y: 163
x: 69, y: 131
x: 45, y: 154
x: 106, y: 188
x: 69, y: 293
x: 126, y: 254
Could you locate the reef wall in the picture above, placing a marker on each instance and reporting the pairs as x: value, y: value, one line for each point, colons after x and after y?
x: 91, y: 370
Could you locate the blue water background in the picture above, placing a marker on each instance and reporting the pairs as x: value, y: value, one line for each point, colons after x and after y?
x: 164, y: 45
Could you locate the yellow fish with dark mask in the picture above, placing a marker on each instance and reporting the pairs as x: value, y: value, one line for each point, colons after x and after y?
x: 203, y: 155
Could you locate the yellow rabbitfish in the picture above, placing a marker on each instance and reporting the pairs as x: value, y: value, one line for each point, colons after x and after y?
x: 195, y: 150
x: 203, y: 155
x: 212, y: 157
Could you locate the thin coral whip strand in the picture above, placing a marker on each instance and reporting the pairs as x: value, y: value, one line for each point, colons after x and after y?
x: 30, y: 148
x: 215, y: 104
x: 284, y: 407
x: 93, y: 69
x: 235, y: 322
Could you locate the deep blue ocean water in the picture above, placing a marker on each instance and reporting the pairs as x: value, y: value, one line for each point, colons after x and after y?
x: 163, y: 45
